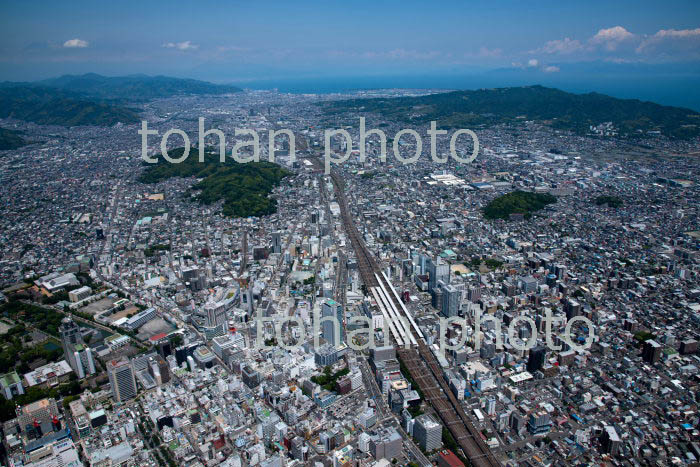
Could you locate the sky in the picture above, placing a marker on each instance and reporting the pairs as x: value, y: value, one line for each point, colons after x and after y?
x: 397, y: 41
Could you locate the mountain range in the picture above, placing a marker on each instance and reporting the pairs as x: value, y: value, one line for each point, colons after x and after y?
x: 92, y: 99
x: 135, y: 87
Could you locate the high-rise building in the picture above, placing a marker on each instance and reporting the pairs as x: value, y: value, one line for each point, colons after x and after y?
x: 652, y: 351
x: 214, y: 314
x: 248, y: 300
x: 386, y: 444
x: 277, y: 242
x: 474, y: 294
x: 491, y: 406
x: 451, y: 298
x: 436, y: 296
x: 688, y: 346
x: 539, y: 423
x: 121, y: 378
x: 250, y: 377
x: 536, y: 359
x: 300, y: 451
x: 158, y: 369
x: 610, y: 440
x: 437, y: 272
x: 427, y: 432
x: 503, y: 420
x: 572, y: 308
x: 517, y: 422
x: 78, y: 355
x: 330, y: 327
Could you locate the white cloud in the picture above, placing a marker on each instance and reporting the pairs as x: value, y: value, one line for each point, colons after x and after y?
x: 678, y: 43
x: 563, y: 46
x: 678, y: 33
x: 486, y: 52
x: 611, y: 38
x: 618, y: 45
x: 186, y: 45
x: 535, y: 65
x: 75, y: 43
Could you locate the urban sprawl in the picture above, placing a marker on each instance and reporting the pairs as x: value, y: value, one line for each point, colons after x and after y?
x: 129, y: 310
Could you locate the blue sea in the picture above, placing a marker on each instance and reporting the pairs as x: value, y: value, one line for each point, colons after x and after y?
x: 672, y: 88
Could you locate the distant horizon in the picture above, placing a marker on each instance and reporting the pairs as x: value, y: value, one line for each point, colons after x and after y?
x: 629, y: 49
x: 660, y: 89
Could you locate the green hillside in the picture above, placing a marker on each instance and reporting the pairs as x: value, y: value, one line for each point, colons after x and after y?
x: 137, y: 87
x: 47, y: 106
x: 92, y: 99
x: 10, y: 140
x: 564, y: 110
x: 244, y: 188
x: 517, y: 202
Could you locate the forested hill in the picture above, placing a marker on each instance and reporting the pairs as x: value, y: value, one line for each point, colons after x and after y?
x: 135, y: 87
x: 49, y: 106
x: 576, y: 112
x: 10, y: 140
x: 244, y: 188
x: 92, y: 99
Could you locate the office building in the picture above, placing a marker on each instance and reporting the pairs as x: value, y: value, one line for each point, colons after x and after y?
x: 214, y: 314
x: 330, y: 328
x: 491, y: 406
x: 42, y: 411
x: 652, y: 351
x: 77, y: 354
x: 326, y: 355
x: 428, y: 433
x: 437, y: 272
x: 689, y: 346
x: 610, y: 440
x: 386, y: 444
x: 474, y: 294
x: 572, y: 308
x: 121, y: 378
x: 451, y: 298
x: 277, y: 242
x: 539, y: 423
x: 535, y: 361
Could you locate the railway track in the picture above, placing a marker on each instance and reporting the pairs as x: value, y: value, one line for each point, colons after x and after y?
x: 418, y: 358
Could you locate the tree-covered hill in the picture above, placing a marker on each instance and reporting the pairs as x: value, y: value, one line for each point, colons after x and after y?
x: 10, y: 139
x: 135, y: 87
x: 244, y: 188
x: 558, y: 108
x: 517, y: 202
x: 49, y: 106
x: 92, y: 99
